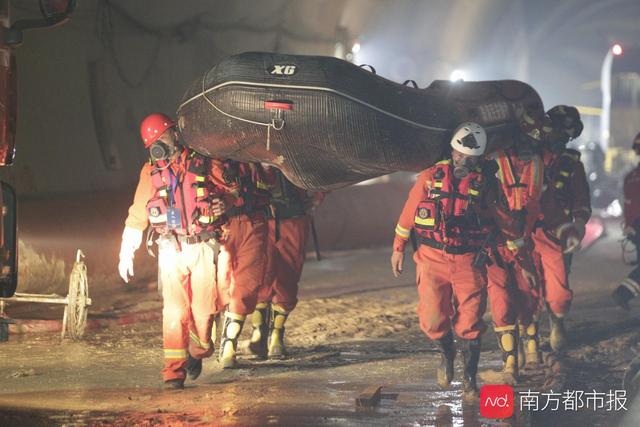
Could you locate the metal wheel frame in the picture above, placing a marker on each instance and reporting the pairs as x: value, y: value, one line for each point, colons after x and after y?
x: 76, y: 302
x: 74, y: 321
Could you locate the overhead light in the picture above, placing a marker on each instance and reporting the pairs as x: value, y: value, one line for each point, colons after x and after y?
x: 356, y: 47
x: 616, y: 49
x: 457, y: 75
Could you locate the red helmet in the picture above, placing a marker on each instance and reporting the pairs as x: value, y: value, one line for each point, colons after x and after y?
x: 153, y: 126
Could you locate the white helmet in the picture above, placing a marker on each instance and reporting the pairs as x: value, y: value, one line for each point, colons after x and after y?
x: 470, y: 139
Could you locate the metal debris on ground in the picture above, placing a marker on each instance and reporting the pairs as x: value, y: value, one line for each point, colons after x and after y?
x: 370, y: 397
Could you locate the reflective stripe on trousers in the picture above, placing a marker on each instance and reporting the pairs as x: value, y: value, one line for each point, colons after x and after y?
x: 189, y: 303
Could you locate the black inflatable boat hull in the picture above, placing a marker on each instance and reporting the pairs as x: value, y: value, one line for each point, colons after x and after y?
x: 333, y: 123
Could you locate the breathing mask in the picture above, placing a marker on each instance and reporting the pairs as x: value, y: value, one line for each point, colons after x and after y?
x: 462, y: 165
x: 159, y: 151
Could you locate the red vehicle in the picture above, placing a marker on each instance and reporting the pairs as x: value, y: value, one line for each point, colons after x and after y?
x: 54, y: 12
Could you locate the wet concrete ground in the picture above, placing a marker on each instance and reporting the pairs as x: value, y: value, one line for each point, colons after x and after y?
x: 343, y: 337
x: 112, y: 378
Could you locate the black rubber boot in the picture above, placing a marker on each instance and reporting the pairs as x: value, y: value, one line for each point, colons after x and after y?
x: 175, y: 384
x: 447, y: 350
x: 260, y: 333
x: 194, y: 367
x: 621, y: 296
x: 558, y: 334
x: 470, y: 357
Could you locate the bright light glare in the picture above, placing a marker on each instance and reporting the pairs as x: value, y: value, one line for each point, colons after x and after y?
x: 457, y: 75
x: 616, y: 49
x: 356, y: 47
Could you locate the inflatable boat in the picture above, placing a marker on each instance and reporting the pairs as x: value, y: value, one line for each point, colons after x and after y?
x: 327, y: 123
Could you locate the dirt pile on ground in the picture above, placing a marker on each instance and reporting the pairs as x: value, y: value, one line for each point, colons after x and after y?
x: 40, y: 273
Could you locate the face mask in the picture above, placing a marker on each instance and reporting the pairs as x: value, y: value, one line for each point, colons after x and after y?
x: 159, y: 151
x: 525, y: 150
x: 460, y: 171
x: 561, y: 136
x: 557, y: 147
x: 463, y: 166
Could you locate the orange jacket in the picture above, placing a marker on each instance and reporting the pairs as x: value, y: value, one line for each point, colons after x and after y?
x: 521, y: 184
x: 521, y: 180
x: 489, y: 207
x: 138, y: 216
x: 567, y: 196
x: 441, y: 218
x: 632, y: 197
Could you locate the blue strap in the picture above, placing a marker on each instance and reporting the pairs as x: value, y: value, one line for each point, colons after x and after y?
x: 172, y: 187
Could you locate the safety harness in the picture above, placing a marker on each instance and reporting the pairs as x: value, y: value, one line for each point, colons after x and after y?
x: 252, y: 189
x: 186, y: 195
x: 521, y: 181
x: 446, y: 219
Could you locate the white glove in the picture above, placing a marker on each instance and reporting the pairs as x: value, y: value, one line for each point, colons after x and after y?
x: 578, y: 226
x: 125, y: 268
x: 572, y: 245
x: 131, y: 240
x: 563, y: 228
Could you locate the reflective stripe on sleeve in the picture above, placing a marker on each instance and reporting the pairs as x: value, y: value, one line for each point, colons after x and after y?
x: 402, y: 232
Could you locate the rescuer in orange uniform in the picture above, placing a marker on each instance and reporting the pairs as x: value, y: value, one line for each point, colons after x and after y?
x: 180, y: 196
x: 242, y: 260
x: 511, y: 287
x: 449, y: 208
x: 289, y: 225
x: 565, y: 211
x: 630, y: 286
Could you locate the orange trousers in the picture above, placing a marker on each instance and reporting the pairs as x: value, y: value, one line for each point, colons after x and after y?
x: 189, y: 303
x: 510, y: 296
x: 502, y: 295
x: 552, y: 271
x: 451, y: 292
x: 285, y: 259
x: 241, y: 263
